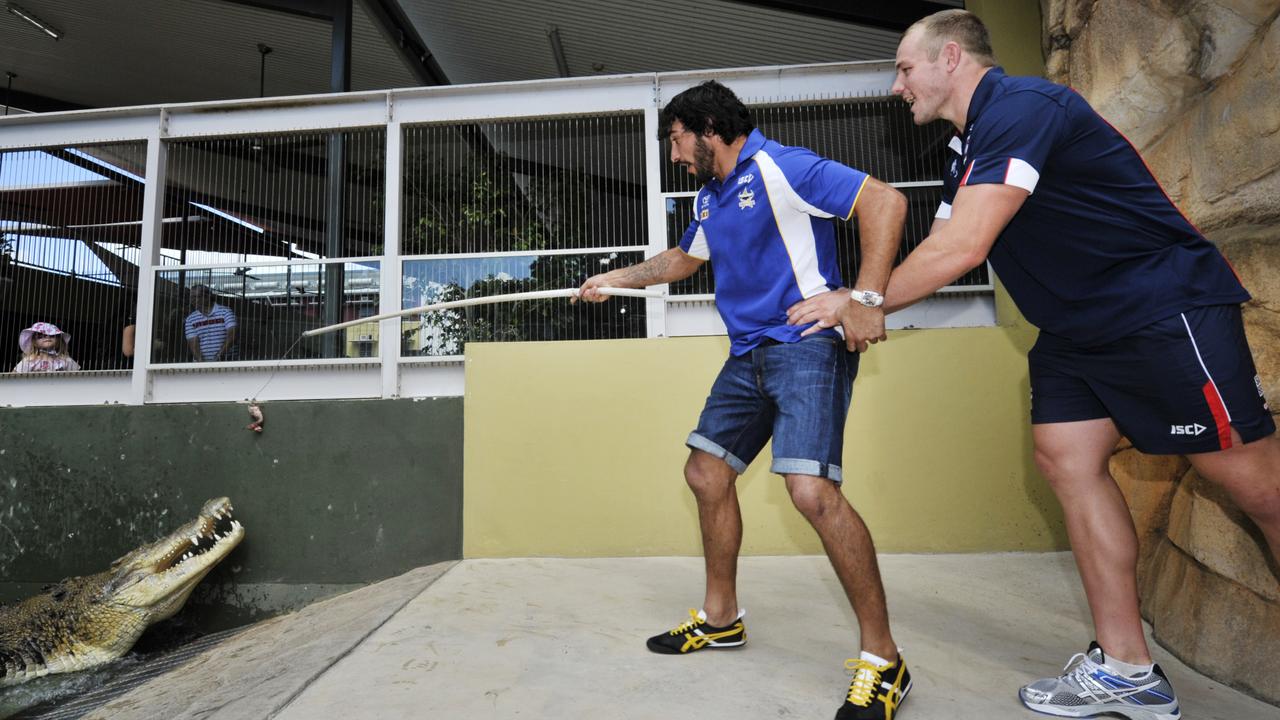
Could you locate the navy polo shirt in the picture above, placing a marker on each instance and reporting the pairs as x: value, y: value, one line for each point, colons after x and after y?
x: 768, y: 233
x: 1097, y: 250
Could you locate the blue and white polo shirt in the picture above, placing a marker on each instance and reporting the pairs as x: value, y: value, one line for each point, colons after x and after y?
x: 1097, y: 250
x: 767, y: 231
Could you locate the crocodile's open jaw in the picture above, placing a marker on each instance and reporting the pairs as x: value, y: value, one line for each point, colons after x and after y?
x: 211, y: 532
x: 155, y: 575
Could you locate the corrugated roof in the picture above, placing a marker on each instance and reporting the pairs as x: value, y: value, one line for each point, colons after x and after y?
x: 493, y: 40
x: 135, y: 52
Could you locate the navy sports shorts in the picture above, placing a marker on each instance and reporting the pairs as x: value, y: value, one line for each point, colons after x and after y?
x: 1174, y: 387
x: 796, y: 393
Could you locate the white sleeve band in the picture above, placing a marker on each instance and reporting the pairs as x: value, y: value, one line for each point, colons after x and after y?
x: 698, y: 247
x: 1021, y: 174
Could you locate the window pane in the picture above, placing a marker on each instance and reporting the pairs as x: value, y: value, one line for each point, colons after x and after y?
x: 70, y: 229
x: 247, y: 198
x: 271, y: 306
x: 445, y: 332
x: 524, y: 185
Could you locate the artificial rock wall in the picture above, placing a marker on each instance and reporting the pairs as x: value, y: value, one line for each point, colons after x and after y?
x: 1195, y: 85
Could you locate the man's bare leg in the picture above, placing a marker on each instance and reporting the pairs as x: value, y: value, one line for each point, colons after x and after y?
x: 714, y: 487
x: 1074, y: 457
x: 852, y: 554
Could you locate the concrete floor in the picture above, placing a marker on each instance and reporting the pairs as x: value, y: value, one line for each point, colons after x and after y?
x: 564, y: 639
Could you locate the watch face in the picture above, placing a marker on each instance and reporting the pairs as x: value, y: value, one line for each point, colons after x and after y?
x: 870, y: 298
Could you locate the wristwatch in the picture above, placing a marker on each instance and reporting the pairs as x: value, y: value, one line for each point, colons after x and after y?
x: 870, y: 298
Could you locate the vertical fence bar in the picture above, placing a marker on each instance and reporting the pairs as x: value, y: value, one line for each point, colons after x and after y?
x: 655, y: 308
x: 153, y: 196
x: 389, y: 298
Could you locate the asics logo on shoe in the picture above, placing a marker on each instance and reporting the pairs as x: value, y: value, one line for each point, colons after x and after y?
x: 876, y: 691
x: 696, y: 634
x: 1121, y: 688
x: 698, y: 639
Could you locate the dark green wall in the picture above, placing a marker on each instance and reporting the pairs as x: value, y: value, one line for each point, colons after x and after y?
x: 333, y: 494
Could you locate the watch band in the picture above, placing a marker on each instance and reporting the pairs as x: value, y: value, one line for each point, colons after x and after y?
x: 870, y: 298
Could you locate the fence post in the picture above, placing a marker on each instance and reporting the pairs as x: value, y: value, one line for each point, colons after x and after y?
x: 153, y: 196
x: 655, y: 308
x: 389, y: 294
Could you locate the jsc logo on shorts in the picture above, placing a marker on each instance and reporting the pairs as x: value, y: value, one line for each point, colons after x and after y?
x: 1192, y: 429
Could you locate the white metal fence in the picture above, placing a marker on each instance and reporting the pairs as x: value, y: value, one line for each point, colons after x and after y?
x: 301, y: 212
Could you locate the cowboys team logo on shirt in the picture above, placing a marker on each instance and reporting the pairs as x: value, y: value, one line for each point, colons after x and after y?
x: 746, y: 199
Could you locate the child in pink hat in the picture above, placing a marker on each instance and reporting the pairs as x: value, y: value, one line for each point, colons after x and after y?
x: 44, y: 349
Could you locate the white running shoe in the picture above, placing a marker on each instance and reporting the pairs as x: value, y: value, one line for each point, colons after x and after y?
x: 1088, y: 687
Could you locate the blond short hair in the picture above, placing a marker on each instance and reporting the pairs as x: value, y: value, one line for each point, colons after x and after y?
x: 959, y: 26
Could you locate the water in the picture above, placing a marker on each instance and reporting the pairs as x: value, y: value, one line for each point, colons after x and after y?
x: 72, y: 695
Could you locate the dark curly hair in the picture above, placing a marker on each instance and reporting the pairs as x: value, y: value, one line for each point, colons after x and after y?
x: 709, y: 106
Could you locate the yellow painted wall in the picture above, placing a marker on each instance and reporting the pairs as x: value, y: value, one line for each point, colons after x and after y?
x: 576, y: 449
x: 1015, y: 33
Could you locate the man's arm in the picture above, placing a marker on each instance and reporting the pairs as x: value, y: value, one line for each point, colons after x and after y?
x: 227, y: 342
x: 955, y: 246
x: 882, y: 212
x: 667, y: 266
x: 194, y: 344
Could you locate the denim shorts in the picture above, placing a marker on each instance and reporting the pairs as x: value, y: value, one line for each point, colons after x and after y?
x: 1176, y: 386
x: 797, y: 393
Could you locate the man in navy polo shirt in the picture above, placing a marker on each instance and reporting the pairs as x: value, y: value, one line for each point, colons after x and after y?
x: 763, y: 219
x: 1140, y: 328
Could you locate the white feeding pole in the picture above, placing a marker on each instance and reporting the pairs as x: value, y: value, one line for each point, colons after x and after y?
x: 489, y: 299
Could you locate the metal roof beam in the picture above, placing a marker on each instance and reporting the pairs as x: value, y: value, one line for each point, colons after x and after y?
x: 395, y: 26
x: 895, y: 15
x: 404, y: 38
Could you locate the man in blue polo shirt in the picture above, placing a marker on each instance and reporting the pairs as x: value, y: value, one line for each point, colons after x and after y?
x: 1140, y: 327
x: 763, y: 220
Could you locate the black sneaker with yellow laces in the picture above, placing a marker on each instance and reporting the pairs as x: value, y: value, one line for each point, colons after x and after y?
x: 877, y: 690
x: 696, y: 634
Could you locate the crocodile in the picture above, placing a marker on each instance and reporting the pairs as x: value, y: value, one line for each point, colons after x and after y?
x: 84, y: 622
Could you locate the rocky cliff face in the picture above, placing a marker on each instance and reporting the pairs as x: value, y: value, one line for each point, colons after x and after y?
x: 1195, y: 86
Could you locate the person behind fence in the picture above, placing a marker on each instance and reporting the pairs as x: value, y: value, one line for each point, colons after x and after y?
x: 44, y: 349
x: 210, y: 328
x: 763, y: 220
x: 1140, y: 328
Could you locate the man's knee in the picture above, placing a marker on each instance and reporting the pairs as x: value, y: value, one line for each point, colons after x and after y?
x: 814, y: 497
x: 1065, y: 469
x: 707, y: 475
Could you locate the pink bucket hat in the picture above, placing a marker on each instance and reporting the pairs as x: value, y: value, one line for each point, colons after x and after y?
x: 44, y: 328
